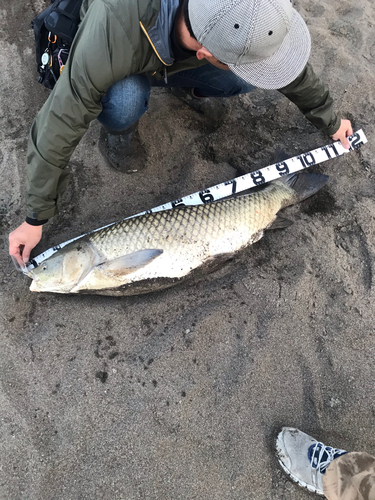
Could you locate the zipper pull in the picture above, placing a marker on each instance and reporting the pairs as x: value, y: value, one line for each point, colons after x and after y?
x: 165, y: 75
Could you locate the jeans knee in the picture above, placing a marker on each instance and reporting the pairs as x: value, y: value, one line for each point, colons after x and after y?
x: 239, y: 86
x: 125, y: 102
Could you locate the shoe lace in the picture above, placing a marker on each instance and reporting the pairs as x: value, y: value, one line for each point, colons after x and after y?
x: 320, y: 457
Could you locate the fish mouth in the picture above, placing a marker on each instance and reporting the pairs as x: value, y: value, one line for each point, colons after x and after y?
x: 35, y: 284
x: 33, y: 276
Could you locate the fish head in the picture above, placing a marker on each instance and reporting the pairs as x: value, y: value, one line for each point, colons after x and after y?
x: 63, y: 270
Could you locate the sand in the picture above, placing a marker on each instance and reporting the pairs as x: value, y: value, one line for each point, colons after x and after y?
x: 180, y: 394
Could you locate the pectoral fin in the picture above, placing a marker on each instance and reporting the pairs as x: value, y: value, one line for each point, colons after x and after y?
x: 129, y: 263
x: 111, y: 273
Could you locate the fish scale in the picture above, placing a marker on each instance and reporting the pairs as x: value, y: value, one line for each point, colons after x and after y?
x: 204, y: 222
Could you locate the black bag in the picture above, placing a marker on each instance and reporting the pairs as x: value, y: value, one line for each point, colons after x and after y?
x: 54, y: 30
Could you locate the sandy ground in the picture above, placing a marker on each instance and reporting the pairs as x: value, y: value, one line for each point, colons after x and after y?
x: 179, y: 394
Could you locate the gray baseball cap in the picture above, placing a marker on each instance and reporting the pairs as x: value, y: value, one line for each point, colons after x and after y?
x: 265, y: 42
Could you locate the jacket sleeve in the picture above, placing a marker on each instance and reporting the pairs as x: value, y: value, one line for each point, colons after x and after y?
x: 313, y: 98
x: 97, y: 60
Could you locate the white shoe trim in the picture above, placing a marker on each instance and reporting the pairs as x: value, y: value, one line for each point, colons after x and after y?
x: 299, y: 482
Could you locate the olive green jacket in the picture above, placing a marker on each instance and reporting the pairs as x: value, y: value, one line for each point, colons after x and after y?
x: 116, y: 38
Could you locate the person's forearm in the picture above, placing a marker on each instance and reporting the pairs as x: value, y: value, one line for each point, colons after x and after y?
x: 314, y: 100
x: 45, y: 182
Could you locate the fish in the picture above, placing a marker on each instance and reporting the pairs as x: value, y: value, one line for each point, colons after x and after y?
x: 157, y: 250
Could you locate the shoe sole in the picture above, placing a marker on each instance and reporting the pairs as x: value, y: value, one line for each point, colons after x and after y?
x: 310, y: 488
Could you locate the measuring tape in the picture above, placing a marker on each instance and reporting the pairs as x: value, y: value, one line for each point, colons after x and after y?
x: 242, y: 183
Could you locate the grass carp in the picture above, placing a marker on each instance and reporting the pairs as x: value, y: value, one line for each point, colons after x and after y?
x: 154, y: 251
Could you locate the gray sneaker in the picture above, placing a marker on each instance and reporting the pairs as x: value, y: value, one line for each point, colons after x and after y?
x: 216, y: 109
x: 304, y: 459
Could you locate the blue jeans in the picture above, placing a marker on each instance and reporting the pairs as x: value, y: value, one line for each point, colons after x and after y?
x: 127, y: 100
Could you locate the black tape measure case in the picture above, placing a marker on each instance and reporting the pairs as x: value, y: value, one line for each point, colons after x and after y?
x: 54, y: 30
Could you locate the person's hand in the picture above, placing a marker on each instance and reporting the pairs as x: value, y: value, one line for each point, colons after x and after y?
x: 22, y: 240
x: 343, y: 132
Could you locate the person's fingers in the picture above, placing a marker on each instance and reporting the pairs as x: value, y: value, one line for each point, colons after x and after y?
x: 15, y: 252
x: 348, y: 133
x: 26, y: 253
x: 22, y: 240
x: 343, y: 132
x: 345, y: 142
x: 19, y: 260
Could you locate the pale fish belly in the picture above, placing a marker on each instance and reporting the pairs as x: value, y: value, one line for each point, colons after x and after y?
x: 178, y: 262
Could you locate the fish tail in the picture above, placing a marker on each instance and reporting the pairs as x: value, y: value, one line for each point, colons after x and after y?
x: 304, y: 185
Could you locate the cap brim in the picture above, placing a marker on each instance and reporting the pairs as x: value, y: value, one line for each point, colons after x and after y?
x: 285, y: 64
